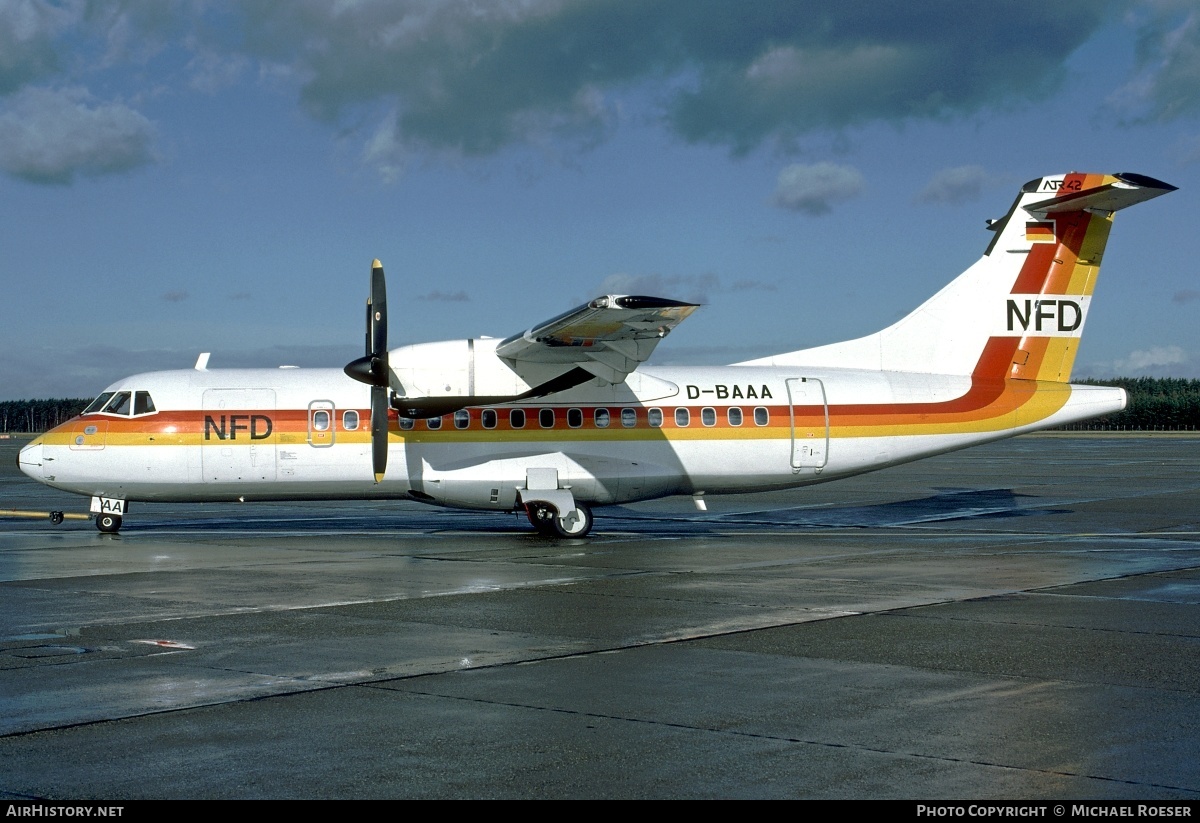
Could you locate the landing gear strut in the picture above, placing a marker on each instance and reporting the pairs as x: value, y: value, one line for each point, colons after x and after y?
x: 545, y: 518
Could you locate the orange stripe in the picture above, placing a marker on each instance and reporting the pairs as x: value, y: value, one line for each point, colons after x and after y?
x: 990, y: 398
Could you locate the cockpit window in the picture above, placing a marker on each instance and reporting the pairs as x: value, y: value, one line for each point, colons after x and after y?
x: 119, y: 404
x: 122, y: 402
x: 97, y: 404
x: 142, y: 404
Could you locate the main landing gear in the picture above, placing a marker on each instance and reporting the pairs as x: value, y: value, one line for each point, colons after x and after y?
x: 545, y: 518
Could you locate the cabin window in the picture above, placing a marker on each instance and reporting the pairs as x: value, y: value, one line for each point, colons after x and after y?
x: 708, y: 416
x: 462, y: 419
x: 99, y: 403
x: 546, y: 418
x: 735, y: 416
x: 488, y: 418
x: 761, y: 416
x: 654, y: 417
x: 320, y: 420
x: 600, y: 416
x: 434, y: 423
x: 119, y: 404
x: 407, y: 423
x: 350, y: 420
x: 516, y: 418
x: 574, y: 418
x: 629, y: 418
x: 142, y: 404
x: 682, y: 417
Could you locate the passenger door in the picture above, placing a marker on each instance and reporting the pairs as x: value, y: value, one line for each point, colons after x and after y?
x: 810, y: 422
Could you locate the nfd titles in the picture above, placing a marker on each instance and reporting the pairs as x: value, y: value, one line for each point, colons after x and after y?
x: 257, y: 426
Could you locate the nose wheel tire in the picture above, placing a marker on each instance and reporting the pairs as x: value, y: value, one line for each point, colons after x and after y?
x: 108, y: 523
x: 546, y: 520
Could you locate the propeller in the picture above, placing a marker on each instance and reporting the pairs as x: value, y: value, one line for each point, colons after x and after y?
x: 373, y: 369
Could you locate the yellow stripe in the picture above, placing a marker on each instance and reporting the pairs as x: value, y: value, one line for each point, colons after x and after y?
x: 1087, y: 267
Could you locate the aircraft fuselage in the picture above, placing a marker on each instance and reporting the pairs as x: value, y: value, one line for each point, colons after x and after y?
x: 287, y: 434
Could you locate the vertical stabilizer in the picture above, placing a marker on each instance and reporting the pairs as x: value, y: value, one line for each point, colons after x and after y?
x: 1023, y: 304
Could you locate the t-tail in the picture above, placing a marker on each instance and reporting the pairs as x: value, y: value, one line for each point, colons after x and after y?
x: 1020, y: 310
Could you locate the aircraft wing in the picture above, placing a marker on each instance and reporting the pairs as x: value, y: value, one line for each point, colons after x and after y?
x: 608, y: 337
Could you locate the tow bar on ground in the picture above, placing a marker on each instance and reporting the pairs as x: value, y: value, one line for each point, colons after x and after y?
x: 53, y: 517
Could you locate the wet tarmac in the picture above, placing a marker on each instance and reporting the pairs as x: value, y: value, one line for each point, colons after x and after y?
x: 1018, y: 621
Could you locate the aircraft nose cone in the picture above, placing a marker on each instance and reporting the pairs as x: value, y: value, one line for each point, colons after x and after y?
x: 29, y: 460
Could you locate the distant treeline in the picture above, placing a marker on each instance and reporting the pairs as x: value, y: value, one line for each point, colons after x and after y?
x: 38, y: 415
x: 1155, y: 404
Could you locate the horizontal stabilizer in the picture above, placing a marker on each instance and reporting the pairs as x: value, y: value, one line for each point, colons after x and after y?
x: 1124, y: 190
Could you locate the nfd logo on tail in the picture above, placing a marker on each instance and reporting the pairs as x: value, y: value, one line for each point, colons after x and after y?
x: 1049, y: 316
x: 565, y: 415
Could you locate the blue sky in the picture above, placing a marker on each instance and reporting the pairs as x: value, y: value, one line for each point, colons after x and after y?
x: 196, y: 176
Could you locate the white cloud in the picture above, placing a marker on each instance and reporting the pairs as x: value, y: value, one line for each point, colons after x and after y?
x: 814, y: 189
x: 385, y: 152
x: 446, y: 297
x: 961, y: 184
x: 474, y: 78
x: 1167, y: 84
x: 1156, y: 357
x: 750, y: 284
x: 213, y: 71
x: 50, y: 136
x: 27, y: 32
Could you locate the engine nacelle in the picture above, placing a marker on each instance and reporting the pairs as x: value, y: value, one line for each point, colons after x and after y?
x: 461, y: 368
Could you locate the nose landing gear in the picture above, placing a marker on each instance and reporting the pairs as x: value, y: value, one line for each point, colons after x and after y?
x: 108, y: 523
x: 109, y: 511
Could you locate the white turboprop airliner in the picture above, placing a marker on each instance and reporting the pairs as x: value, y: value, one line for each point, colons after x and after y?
x: 559, y: 419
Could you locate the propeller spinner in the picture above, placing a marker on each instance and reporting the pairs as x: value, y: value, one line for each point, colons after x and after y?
x: 373, y: 369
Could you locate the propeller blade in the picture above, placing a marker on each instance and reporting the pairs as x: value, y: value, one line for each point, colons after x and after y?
x: 377, y: 329
x: 379, y: 371
x: 372, y: 369
x: 379, y: 431
x: 368, y: 327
